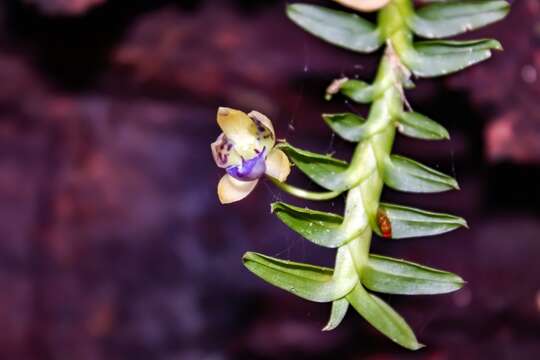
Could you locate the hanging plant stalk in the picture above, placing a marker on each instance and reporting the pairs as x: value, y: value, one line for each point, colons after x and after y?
x: 247, y: 150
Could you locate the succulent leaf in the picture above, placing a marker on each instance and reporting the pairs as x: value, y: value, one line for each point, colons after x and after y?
x: 340, y: 28
x: 383, y: 318
x: 420, y: 126
x: 322, y: 228
x: 407, y: 175
x: 327, y: 171
x: 441, y: 20
x: 337, y: 314
x: 407, y: 222
x: 394, y: 276
x: 310, y: 282
x: 436, y: 58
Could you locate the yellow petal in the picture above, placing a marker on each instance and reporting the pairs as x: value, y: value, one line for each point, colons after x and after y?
x: 250, y: 134
x: 364, y: 5
x: 230, y: 190
x: 278, y: 165
x: 240, y: 129
x: 267, y: 123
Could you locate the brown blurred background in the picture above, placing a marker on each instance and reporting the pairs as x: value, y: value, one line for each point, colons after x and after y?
x: 112, y: 241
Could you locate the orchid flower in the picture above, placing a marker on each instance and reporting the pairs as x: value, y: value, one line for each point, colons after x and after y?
x: 246, y: 151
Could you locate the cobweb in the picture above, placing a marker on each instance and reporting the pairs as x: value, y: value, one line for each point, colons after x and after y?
x: 292, y: 240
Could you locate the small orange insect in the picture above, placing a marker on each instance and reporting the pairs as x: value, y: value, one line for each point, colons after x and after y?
x: 384, y: 224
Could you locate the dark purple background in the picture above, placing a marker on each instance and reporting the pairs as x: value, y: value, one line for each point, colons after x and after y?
x: 113, y: 244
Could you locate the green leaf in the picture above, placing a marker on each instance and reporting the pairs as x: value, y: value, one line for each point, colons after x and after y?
x: 453, y: 18
x: 451, y: 47
x: 349, y: 126
x: 407, y: 222
x: 309, y: 282
x: 337, y: 314
x: 383, y: 318
x: 364, y: 93
x: 329, y: 172
x: 404, y: 174
x: 358, y: 91
x: 325, y: 170
x: 343, y: 29
x: 321, y: 228
x: 421, y: 127
x: 393, y: 276
x: 436, y: 58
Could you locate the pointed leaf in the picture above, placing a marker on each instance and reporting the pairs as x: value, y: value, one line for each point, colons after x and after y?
x: 394, y: 276
x: 383, y: 318
x: 321, y: 228
x: 349, y: 126
x: 404, y: 174
x: 406, y: 222
x: 337, y: 314
x: 322, y: 169
x: 328, y: 172
x: 358, y: 91
x: 436, y: 58
x: 309, y: 282
x: 343, y: 29
x: 453, y: 18
x: 421, y: 127
x: 450, y: 47
x: 352, y: 127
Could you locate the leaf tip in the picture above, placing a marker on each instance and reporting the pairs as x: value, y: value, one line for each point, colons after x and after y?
x: 445, y: 134
x: 328, y: 327
x: 248, y: 255
x: 290, y: 9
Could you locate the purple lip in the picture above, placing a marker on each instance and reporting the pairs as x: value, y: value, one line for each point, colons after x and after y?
x: 250, y: 169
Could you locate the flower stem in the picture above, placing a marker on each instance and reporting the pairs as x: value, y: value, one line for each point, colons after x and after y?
x: 304, y: 194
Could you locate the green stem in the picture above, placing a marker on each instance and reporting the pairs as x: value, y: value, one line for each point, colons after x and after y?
x: 305, y: 194
x: 363, y: 199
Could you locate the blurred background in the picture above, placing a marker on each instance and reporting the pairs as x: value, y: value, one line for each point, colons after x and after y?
x: 113, y: 244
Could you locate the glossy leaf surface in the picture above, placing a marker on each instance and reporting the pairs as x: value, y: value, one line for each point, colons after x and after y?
x: 419, y: 126
x: 436, y: 58
x: 329, y: 172
x: 394, y: 276
x: 310, y: 282
x: 407, y: 175
x: 407, y: 222
x: 344, y: 29
x: 337, y: 314
x: 321, y: 228
x: 349, y: 126
x: 358, y: 91
x: 323, y: 169
x: 452, y: 18
x: 383, y: 318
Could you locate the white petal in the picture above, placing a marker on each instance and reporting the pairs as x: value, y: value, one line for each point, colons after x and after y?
x: 230, y: 190
x: 278, y: 165
x: 364, y: 5
x: 224, y: 153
